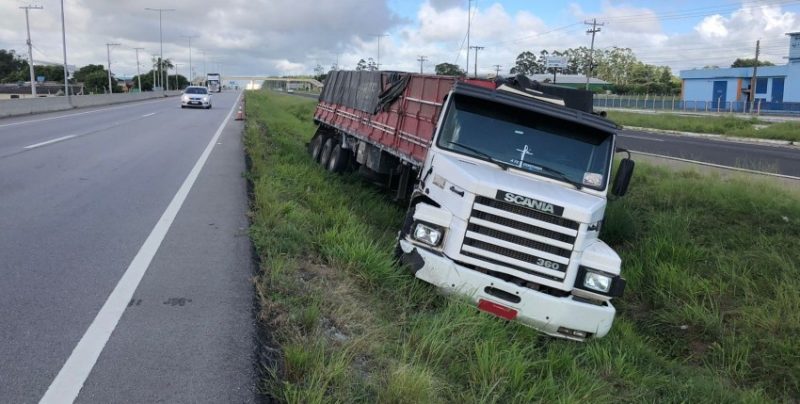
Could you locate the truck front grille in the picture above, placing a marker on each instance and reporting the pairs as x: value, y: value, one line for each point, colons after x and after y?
x: 506, y: 237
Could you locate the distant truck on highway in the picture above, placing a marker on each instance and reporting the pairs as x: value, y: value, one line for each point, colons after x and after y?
x: 506, y: 182
x: 214, y: 83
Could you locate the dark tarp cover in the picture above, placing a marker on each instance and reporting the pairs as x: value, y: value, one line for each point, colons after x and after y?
x: 573, y: 98
x: 363, y: 90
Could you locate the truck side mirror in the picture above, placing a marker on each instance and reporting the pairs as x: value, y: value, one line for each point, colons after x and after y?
x: 623, y: 177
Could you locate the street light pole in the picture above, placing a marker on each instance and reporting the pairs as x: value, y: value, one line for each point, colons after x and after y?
x: 189, y: 37
x: 138, y: 72
x: 30, y: 47
x: 64, y: 46
x: 160, y: 39
x: 108, y: 52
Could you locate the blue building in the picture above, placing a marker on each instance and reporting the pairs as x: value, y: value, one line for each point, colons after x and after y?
x: 776, y: 87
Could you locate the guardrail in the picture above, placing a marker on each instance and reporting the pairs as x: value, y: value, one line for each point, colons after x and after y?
x: 674, y: 103
x: 27, y: 106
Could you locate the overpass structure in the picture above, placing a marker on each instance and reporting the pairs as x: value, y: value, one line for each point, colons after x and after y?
x: 278, y: 83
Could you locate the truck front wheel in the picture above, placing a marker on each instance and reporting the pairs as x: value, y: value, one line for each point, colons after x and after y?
x: 404, y: 231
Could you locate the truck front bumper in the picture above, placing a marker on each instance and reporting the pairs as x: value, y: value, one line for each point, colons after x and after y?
x: 538, y: 310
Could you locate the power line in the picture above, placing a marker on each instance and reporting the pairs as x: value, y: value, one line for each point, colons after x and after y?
x: 477, y: 48
x: 421, y: 59
x: 30, y: 46
x: 497, y: 70
x: 594, y: 30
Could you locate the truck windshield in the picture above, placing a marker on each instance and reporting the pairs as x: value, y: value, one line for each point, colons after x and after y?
x: 528, y: 141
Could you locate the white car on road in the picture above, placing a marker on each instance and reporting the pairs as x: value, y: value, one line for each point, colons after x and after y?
x: 196, y: 96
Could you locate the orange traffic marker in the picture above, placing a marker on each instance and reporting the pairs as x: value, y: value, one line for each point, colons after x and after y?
x: 240, y: 114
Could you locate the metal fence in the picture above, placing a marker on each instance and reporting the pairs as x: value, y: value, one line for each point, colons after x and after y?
x: 674, y: 103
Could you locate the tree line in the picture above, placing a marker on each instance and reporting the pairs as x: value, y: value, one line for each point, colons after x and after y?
x: 14, y: 69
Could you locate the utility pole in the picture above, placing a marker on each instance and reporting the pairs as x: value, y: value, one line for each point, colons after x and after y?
x: 154, y: 79
x: 379, y: 49
x: 592, y: 31
x: 64, y: 47
x: 469, y: 22
x: 497, y: 70
x: 160, y: 40
x: 421, y: 59
x: 108, y: 52
x: 754, y: 80
x: 189, y: 37
x: 30, y: 47
x: 477, y: 48
x: 177, y: 83
x: 138, y: 72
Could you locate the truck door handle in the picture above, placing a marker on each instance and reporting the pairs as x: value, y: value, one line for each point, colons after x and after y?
x: 457, y: 192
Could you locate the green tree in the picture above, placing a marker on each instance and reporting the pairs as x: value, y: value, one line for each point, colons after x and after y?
x: 50, y: 73
x: 96, y: 82
x: 12, y: 66
x: 526, y: 64
x: 371, y: 65
x: 361, y: 65
x: 744, y: 62
x: 81, y: 74
x: 319, y: 72
x: 448, y: 69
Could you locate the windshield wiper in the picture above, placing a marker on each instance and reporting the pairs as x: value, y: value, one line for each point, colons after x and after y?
x: 489, y: 158
x: 558, y: 173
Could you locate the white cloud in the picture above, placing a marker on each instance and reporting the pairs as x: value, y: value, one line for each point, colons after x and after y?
x: 292, y: 36
x: 712, y: 27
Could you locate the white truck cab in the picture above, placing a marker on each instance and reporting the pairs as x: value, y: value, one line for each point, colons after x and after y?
x: 508, y: 208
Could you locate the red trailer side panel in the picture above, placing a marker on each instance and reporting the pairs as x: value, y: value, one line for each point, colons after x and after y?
x: 404, y: 129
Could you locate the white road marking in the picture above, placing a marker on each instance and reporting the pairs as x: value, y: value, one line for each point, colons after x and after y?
x: 150, y: 114
x: 641, y: 137
x: 703, y: 163
x: 70, y: 379
x: 58, y: 139
x: 83, y: 113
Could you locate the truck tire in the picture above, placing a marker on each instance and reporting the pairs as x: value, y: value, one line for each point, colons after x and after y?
x: 405, y: 229
x: 327, y: 148
x: 315, y: 147
x: 338, y: 159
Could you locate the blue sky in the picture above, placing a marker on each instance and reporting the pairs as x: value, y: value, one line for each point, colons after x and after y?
x: 293, y: 36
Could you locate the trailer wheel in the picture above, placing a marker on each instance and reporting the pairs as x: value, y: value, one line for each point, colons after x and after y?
x: 316, y: 146
x: 327, y: 148
x: 338, y: 159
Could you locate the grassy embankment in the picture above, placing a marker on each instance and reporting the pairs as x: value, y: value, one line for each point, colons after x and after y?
x: 722, y: 125
x: 710, y: 313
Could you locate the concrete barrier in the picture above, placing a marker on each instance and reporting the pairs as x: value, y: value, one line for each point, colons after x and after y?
x: 27, y: 106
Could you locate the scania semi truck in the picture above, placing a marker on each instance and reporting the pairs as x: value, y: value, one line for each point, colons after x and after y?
x: 506, y: 183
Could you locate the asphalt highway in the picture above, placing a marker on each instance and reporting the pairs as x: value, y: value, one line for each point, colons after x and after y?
x: 125, y: 264
x: 770, y: 158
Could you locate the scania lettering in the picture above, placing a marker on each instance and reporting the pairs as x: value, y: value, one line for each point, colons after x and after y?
x: 506, y: 184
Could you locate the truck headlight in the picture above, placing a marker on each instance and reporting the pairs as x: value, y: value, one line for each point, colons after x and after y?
x: 597, y: 282
x: 428, y: 234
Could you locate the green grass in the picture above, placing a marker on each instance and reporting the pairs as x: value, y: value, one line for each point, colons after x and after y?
x: 710, y: 312
x: 722, y: 125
